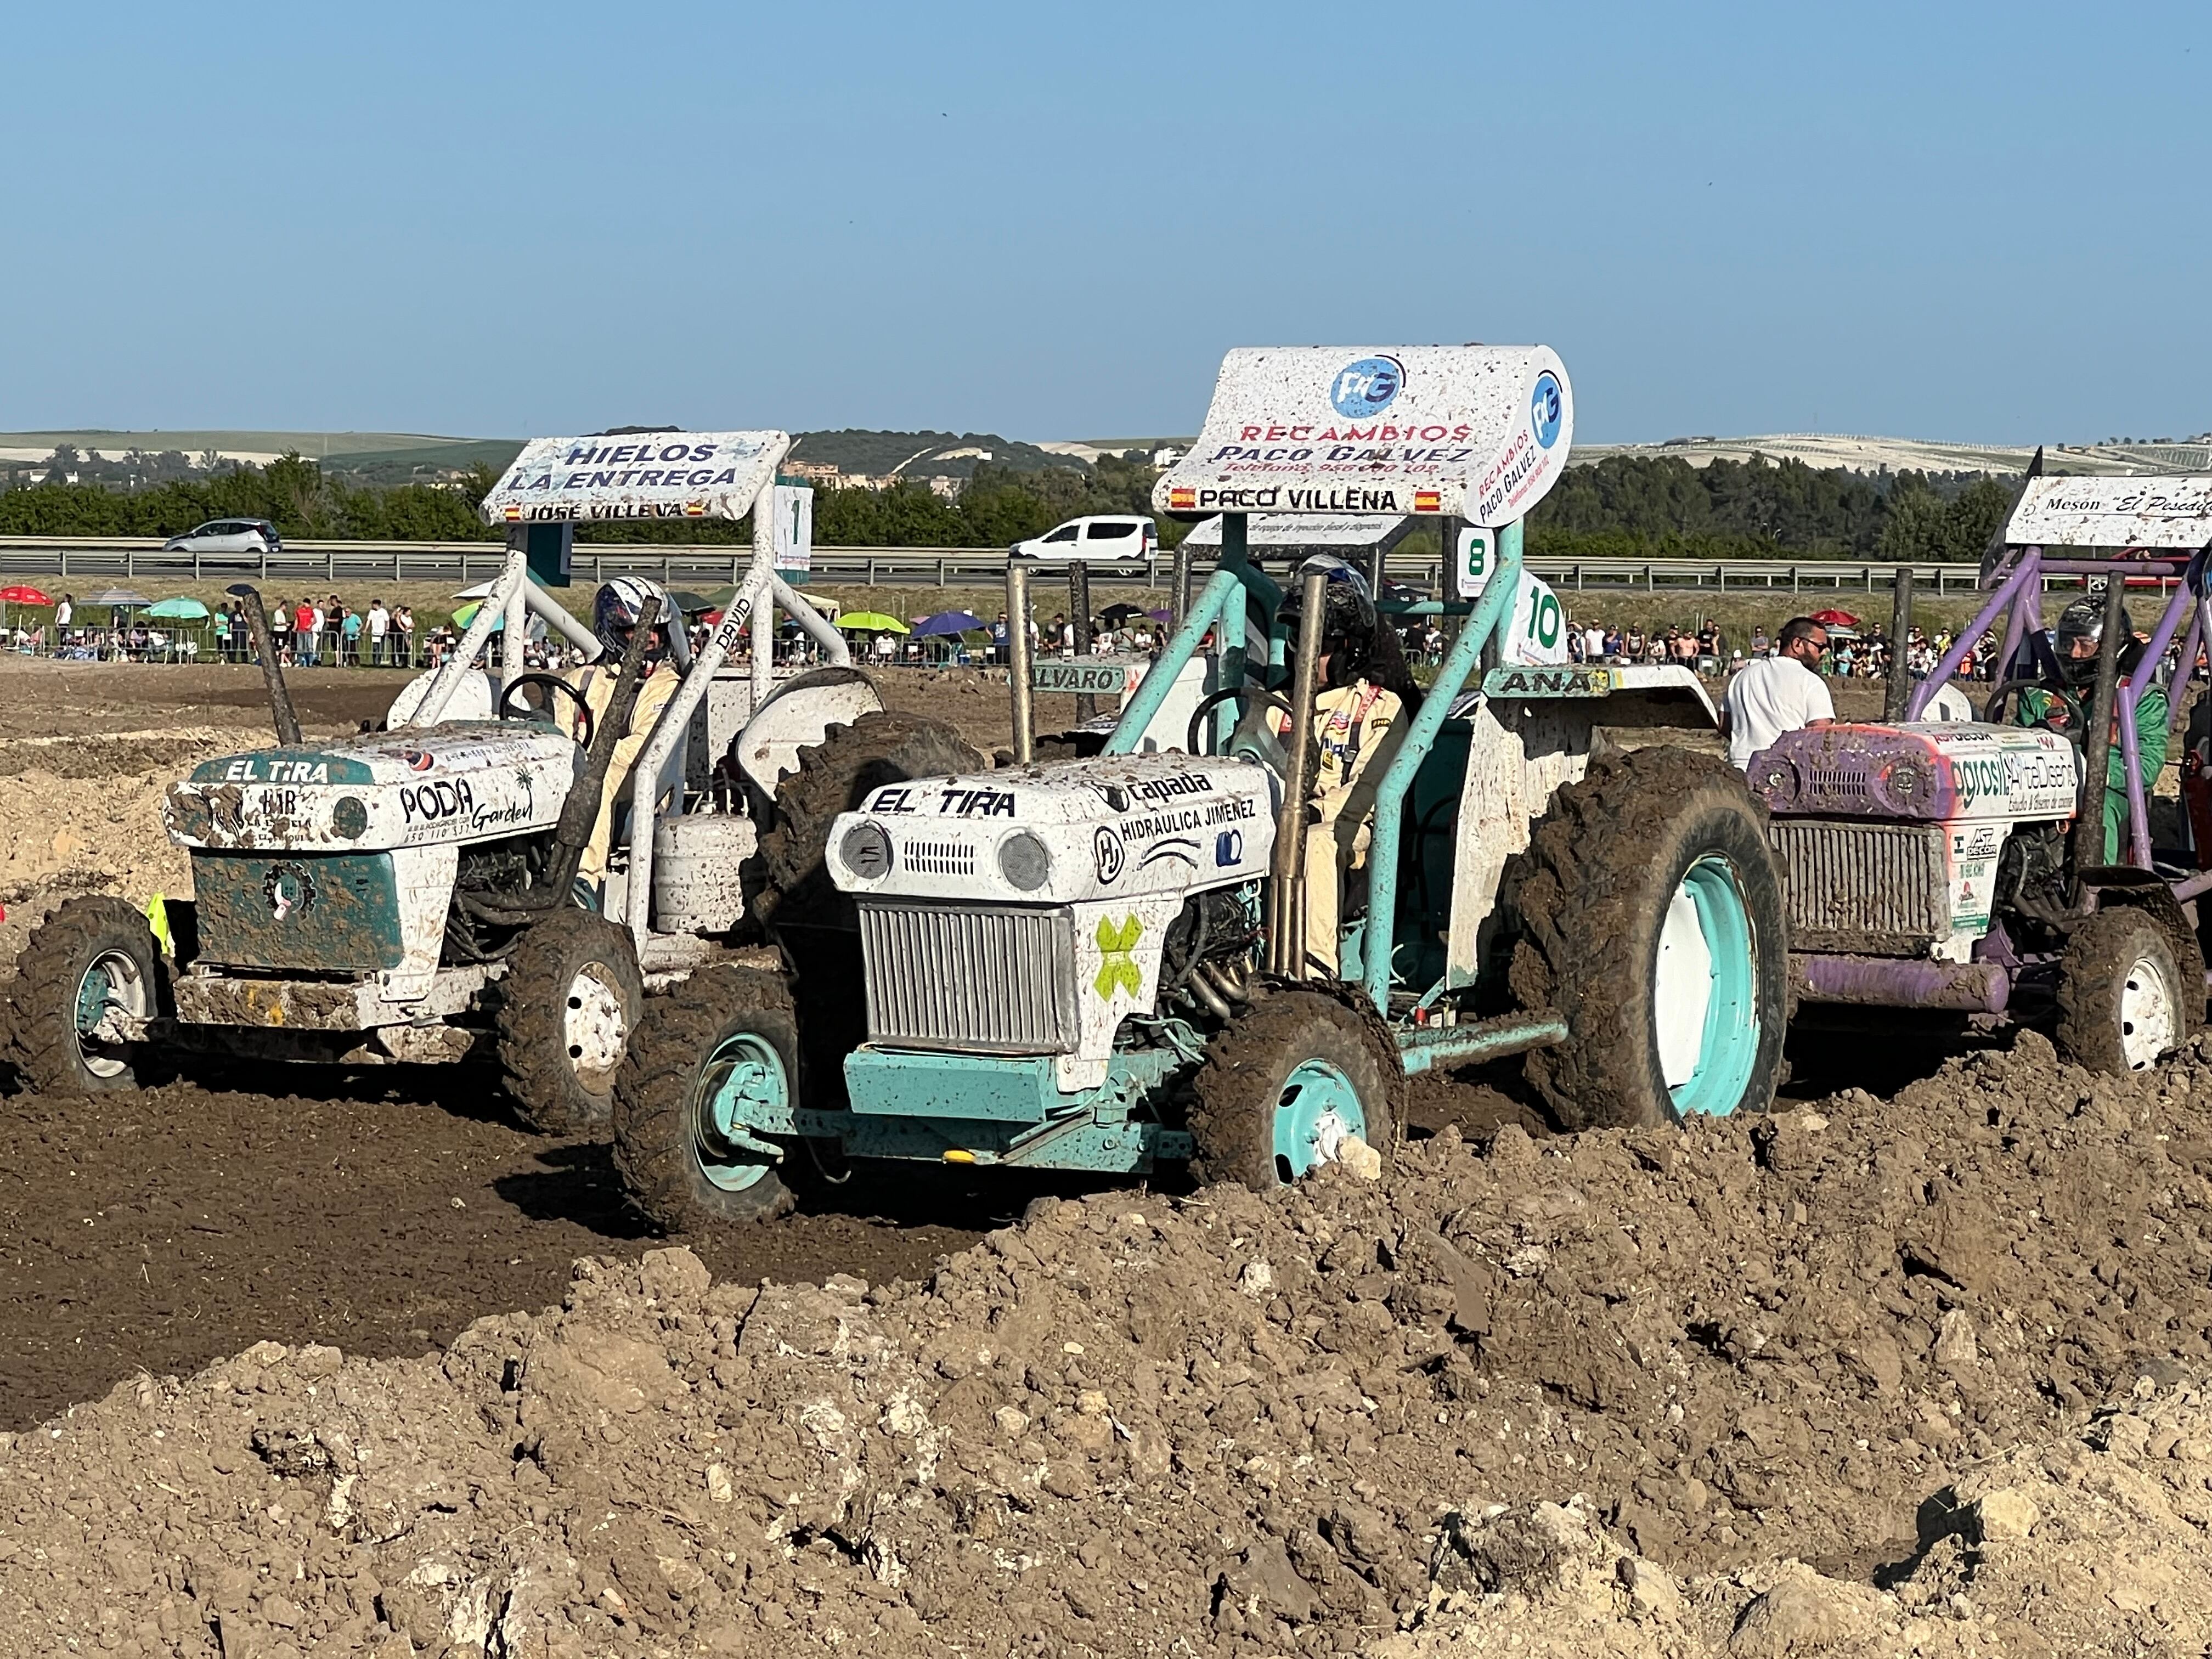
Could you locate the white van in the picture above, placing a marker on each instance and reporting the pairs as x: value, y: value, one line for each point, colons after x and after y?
x: 1098, y: 538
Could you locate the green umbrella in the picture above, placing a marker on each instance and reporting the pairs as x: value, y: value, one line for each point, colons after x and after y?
x: 872, y: 622
x: 179, y: 610
x: 467, y: 614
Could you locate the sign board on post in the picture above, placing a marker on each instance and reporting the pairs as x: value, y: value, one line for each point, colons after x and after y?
x: 793, y: 506
x: 549, y: 548
x: 2172, y: 510
x: 1090, y: 677
x: 645, y: 475
x: 1537, y: 636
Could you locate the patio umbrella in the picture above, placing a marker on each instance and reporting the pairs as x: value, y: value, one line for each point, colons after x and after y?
x: 179, y: 610
x: 1121, y: 609
x: 467, y: 614
x: 688, y: 603
x: 872, y: 622
x: 21, y: 595
x: 1833, y: 618
x: 947, y: 621
x: 120, y: 598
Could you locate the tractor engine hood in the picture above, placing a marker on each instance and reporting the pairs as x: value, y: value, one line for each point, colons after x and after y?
x: 1937, y: 772
x: 1064, y: 832
x: 466, y: 782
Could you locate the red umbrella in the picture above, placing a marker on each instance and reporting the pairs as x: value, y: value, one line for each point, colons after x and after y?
x: 1833, y: 619
x: 22, y: 595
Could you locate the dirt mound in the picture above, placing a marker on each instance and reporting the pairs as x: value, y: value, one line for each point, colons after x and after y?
x: 1331, y: 1418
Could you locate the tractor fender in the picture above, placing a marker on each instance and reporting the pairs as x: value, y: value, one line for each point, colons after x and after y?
x: 796, y: 716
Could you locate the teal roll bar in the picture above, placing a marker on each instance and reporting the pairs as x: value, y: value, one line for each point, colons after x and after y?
x: 1234, y: 571
x: 1389, y: 798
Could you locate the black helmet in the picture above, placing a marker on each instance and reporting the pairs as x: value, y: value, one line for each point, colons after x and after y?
x: 1347, y: 608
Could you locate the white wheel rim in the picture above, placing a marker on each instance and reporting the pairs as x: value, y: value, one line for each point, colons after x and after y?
x: 2146, y: 1013
x: 126, y: 995
x: 594, y: 1028
x: 1681, y: 989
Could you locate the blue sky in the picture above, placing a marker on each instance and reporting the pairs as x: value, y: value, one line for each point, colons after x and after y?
x: 1980, y: 223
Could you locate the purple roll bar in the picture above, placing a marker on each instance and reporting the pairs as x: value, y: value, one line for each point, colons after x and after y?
x: 2028, y: 575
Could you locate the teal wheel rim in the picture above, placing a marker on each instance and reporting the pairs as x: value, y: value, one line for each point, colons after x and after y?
x: 113, y: 983
x: 1317, y: 1109
x: 743, y: 1083
x: 1705, y: 991
x: 94, y: 992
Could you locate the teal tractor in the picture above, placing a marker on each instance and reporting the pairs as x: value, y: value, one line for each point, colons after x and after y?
x: 1101, y: 963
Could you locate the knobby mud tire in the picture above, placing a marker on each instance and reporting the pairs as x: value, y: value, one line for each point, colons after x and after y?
x: 56, y: 957
x: 2101, y: 953
x: 1589, y: 899
x: 1232, y: 1117
x: 786, y: 880
x: 550, y: 1093
x: 656, y: 1151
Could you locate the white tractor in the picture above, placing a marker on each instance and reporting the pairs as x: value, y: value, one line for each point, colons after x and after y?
x: 408, y: 893
x: 1100, y: 963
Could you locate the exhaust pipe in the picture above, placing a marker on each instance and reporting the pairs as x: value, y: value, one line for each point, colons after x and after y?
x: 272, y: 672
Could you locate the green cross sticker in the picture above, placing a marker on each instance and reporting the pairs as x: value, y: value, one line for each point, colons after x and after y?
x: 1120, y: 968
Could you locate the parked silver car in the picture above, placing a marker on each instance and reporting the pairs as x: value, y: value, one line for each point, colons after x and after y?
x: 249, y: 536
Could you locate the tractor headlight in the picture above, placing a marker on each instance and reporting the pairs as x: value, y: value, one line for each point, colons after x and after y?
x: 1775, y: 780
x: 865, y: 852
x: 350, y: 817
x: 1025, y: 861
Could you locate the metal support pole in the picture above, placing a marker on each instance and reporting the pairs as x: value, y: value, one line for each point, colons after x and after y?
x: 2097, y: 741
x: 515, y: 630
x: 272, y: 672
x: 763, y: 632
x: 1179, y: 601
x: 1079, y: 607
x: 1017, y: 660
x: 1286, y: 932
x: 1897, y: 692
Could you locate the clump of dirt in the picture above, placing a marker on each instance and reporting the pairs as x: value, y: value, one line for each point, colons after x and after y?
x: 1629, y: 1378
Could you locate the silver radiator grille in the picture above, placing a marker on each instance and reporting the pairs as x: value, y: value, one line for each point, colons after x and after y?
x: 972, y: 977
x: 940, y: 858
x: 1862, y: 886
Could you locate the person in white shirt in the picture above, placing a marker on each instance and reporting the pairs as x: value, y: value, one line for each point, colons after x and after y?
x: 64, y: 611
x: 1778, y: 694
x: 379, y: 620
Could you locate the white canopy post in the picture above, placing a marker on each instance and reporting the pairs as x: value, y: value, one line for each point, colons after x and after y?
x: 762, y: 578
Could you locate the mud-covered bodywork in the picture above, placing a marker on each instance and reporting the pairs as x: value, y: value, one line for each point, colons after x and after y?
x: 340, y: 859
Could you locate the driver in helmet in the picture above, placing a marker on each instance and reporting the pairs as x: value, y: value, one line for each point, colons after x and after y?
x: 2079, y: 637
x: 615, y: 612
x: 1363, y: 691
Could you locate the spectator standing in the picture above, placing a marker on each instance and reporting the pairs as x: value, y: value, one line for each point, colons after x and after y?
x: 349, y: 633
x: 64, y: 612
x: 1778, y: 694
x: 1758, y: 645
x: 1000, y: 653
x: 380, y: 624
x: 334, y: 612
x: 403, y: 622
x: 223, y: 632
x: 307, y: 632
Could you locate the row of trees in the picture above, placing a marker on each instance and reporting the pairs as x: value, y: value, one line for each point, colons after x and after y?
x: 1650, y: 507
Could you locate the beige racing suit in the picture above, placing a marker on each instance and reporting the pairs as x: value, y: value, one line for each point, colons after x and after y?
x: 595, y: 681
x: 1352, y: 724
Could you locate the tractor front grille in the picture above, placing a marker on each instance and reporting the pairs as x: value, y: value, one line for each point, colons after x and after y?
x: 980, y: 978
x: 1876, y: 888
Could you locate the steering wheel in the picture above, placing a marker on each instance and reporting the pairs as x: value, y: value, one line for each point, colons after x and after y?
x: 2077, y: 722
x: 510, y: 710
x: 1213, y: 700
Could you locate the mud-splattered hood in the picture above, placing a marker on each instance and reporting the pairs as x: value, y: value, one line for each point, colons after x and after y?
x: 1063, y: 832
x: 466, y: 782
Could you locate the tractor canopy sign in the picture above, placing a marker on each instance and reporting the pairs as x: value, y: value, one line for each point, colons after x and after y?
x: 636, y: 474
x: 2173, y: 510
x: 1478, y: 431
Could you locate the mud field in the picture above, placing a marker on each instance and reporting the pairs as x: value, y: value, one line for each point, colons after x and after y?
x: 1907, y: 1367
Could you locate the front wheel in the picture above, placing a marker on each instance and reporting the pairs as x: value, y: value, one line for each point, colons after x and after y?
x: 2124, y: 997
x: 1286, y: 1085
x: 87, y: 981
x: 572, y: 995
x: 711, y: 1071
x: 1651, y: 920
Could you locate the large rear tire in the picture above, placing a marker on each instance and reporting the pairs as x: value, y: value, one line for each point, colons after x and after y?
x: 725, y: 1039
x: 786, y: 879
x: 92, y: 957
x: 2124, y: 999
x: 572, y: 996
x: 1284, y: 1082
x: 1651, y: 920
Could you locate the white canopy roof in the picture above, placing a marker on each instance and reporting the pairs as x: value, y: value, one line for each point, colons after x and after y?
x: 636, y: 474
x: 2170, y: 510
x: 1479, y: 431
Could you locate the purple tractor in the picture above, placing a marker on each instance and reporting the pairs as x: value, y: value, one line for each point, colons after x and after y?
x: 2004, y: 867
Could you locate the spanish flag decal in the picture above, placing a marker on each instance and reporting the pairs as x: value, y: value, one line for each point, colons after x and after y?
x: 1182, y: 499
x: 695, y: 509
x: 1427, y: 500
x: 513, y: 515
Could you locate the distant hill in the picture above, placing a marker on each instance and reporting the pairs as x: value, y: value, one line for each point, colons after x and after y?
x: 372, y: 457
x: 1867, y: 454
